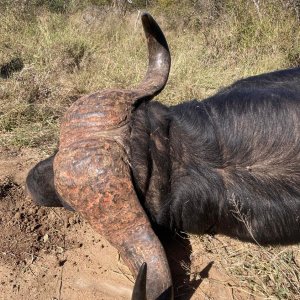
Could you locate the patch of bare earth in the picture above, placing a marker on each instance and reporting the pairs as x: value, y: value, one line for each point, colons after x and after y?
x: 51, y: 253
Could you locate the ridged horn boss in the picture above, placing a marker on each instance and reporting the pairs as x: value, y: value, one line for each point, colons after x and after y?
x: 91, y: 173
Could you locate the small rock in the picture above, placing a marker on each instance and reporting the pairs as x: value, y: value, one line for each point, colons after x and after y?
x: 18, y: 215
x: 45, y: 238
x: 59, y: 249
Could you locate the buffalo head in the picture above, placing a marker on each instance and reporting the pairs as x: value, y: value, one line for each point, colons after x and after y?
x: 90, y: 172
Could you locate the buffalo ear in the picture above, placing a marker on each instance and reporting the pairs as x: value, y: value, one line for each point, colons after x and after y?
x: 40, y: 185
x: 139, y: 289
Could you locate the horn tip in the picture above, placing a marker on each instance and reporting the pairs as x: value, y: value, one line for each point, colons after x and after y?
x: 147, y: 19
x: 145, y: 14
x: 139, y: 290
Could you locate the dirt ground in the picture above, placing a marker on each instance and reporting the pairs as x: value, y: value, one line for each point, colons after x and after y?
x: 50, y: 253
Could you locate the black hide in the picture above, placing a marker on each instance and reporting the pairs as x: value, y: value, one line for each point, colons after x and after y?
x: 229, y: 164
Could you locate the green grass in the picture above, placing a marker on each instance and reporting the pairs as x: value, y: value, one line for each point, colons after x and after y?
x: 72, y: 50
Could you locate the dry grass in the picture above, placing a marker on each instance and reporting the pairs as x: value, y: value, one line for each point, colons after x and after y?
x: 259, y: 272
x: 271, y: 272
x: 68, y: 55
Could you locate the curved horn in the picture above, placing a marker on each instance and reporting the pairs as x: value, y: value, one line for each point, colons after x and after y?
x: 159, y: 60
x: 139, y: 289
x: 108, y: 109
x: 99, y: 186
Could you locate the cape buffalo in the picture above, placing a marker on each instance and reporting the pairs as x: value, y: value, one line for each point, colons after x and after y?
x: 228, y: 164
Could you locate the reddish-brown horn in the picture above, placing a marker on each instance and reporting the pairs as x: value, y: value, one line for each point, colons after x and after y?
x: 159, y: 59
x: 92, y: 170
